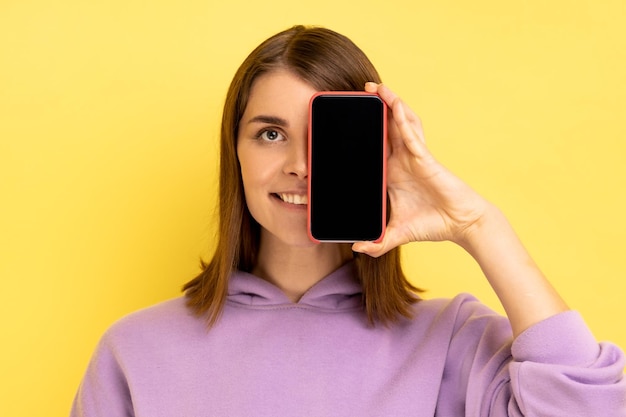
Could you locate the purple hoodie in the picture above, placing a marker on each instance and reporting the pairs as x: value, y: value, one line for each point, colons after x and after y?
x: 270, y: 357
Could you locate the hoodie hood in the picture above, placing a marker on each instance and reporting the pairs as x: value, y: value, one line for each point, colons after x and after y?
x: 340, y: 290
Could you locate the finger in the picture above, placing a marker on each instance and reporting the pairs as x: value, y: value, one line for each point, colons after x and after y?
x: 395, y: 103
x: 369, y: 248
x: 392, y: 129
x: 376, y: 249
x: 391, y: 97
x: 404, y: 127
x: 409, y: 129
x: 408, y: 133
x: 371, y: 87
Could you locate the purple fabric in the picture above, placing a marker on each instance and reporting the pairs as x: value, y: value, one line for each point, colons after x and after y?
x: 270, y: 357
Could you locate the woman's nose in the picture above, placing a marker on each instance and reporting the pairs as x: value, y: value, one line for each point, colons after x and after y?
x: 297, y: 158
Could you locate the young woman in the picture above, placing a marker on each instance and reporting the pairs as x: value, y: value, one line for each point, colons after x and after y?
x: 277, y: 325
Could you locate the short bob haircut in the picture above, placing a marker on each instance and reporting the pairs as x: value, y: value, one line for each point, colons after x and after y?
x: 328, y: 61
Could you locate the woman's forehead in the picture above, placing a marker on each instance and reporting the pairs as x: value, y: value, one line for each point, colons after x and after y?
x: 278, y: 93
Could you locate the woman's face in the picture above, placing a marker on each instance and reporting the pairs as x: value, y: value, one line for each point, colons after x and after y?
x: 272, y: 151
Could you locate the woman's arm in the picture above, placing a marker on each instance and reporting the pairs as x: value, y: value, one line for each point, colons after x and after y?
x: 524, y: 292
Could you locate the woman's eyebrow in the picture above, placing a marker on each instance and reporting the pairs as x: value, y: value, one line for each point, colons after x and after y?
x: 272, y: 120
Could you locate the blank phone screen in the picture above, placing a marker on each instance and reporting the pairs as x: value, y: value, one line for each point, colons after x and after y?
x: 346, y: 167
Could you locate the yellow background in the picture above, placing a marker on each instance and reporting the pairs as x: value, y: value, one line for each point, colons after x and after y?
x: 109, y: 116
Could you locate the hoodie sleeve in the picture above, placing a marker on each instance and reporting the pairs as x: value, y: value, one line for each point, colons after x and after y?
x: 103, y: 391
x: 554, y: 368
x: 559, y: 369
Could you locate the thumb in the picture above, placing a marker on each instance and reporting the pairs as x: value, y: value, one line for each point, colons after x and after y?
x: 376, y: 249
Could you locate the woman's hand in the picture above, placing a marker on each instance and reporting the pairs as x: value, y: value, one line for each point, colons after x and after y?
x: 428, y: 202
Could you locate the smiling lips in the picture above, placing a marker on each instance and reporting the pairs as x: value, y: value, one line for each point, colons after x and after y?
x: 298, y: 199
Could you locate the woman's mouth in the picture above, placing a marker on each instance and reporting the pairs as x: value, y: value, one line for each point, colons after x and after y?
x: 298, y: 199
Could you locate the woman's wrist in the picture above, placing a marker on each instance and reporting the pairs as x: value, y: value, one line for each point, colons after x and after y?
x: 484, y: 230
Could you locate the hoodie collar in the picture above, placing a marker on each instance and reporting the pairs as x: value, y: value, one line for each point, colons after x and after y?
x: 339, y: 290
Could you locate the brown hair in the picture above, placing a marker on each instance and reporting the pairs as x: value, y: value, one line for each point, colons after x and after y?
x: 328, y: 61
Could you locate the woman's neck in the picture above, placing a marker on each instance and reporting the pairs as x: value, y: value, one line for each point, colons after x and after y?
x: 295, y: 269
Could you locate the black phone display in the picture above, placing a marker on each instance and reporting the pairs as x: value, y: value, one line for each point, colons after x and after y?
x: 347, y: 167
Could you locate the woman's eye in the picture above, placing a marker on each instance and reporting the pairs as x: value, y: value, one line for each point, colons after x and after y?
x: 271, y: 135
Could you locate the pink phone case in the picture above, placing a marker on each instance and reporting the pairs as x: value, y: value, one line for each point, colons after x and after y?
x: 384, y: 187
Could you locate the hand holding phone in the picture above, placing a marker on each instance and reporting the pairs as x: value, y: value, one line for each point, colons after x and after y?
x: 347, y: 167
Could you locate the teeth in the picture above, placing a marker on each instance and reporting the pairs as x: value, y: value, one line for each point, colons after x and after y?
x: 294, y: 198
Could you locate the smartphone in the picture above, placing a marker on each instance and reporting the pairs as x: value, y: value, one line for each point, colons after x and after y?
x: 347, y: 158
